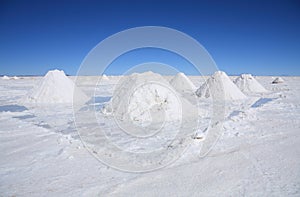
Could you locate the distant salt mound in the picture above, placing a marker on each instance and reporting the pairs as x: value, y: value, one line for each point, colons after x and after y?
x: 55, y: 87
x: 146, y: 98
x: 220, y: 87
x: 248, y: 84
x: 278, y: 80
x: 15, y: 77
x: 104, y: 77
x: 5, y: 77
x: 183, y: 84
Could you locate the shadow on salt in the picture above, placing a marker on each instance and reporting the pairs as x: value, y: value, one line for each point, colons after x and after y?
x: 13, y: 108
x: 96, y: 103
x: 99, y: 100
x: 261, y: 102
x: 235, y: 113
x: 24, y: 117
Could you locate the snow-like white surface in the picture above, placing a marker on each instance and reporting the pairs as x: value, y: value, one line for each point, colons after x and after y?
x: 220, y: 87
x: 278, y: 80
x: 183, y: 84
x: 55, y: 87
x: 257, y: 155
x: 248, y: 84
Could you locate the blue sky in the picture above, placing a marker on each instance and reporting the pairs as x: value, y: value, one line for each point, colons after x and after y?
x: 258, y: 37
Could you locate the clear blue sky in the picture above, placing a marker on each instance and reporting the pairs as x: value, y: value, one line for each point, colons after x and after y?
x: 258, y: 37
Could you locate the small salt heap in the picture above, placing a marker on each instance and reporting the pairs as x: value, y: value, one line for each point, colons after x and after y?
x: 220, y: 87
x: 248, y: 84
x: 104, y: 77
x: 55, y: 87
x: 183, y: 84
x: 5, y: 77
x: 278, y: 80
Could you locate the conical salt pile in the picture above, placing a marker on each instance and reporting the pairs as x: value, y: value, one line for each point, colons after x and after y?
x: 5, y: 77
x: 182, y: 83
x: 145, y: 98
x: 220, y: 87
x: 248, y: 84
x: 278, y: 80
x: 55, y: 87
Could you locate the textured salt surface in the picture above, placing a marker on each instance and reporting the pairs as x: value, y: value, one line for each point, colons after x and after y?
x: 258, y: 154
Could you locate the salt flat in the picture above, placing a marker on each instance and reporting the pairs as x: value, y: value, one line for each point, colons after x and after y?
x: 257, y: 154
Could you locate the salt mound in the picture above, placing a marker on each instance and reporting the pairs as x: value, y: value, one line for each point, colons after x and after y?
x: 5, y: 77
x: 55, y: 87
x: 247, y: 83
x: 183, y: 84
x: 104, y: 77
x: 15, y: 77
x: 278, y: 80
x: 146, y: 98
x: 220, y: 87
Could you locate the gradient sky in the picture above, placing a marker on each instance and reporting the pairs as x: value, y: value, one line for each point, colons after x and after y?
x: 258, y: 37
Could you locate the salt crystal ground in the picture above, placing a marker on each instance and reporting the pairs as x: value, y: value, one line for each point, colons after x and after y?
x: 257, y: 155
